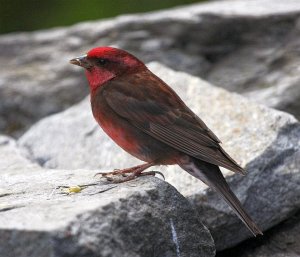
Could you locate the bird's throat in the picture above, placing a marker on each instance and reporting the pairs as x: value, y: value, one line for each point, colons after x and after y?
x: 97, y: 78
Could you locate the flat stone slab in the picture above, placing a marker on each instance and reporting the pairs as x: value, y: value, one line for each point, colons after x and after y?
x: 264, y: 141
x: 144, y: 217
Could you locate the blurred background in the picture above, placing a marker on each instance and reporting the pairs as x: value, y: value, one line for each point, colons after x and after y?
x: 253, y: 50
x: 28, y: 15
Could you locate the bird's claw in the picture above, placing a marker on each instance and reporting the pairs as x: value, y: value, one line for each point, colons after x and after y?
x: 121, y: 177
x: 152, y: 173
x: 114, y: 172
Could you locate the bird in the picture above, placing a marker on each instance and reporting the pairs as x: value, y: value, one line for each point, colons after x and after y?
x: 145, y: 117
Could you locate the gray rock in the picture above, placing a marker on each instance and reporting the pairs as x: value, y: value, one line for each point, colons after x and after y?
x: 280, y: 241
x: 145, y: 217
x: 264, y: 141
x: 11, y: 156
x: 240, y: 45
x: 265, y: 68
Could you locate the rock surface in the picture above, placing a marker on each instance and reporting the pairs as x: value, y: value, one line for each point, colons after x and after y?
x: 280, y: 241
x: 145, y: 217
x: 264, y: 141
x: 245, y: 46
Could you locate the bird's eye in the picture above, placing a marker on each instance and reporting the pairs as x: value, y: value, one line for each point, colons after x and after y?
x: 102, y: 61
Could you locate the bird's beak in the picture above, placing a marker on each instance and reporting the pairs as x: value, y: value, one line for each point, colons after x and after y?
x: 81, y: 61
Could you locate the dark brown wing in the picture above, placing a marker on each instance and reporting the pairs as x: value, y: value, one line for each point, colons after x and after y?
x: 152, y: 106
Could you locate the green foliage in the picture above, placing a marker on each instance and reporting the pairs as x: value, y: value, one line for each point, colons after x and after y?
x: 25, y: 15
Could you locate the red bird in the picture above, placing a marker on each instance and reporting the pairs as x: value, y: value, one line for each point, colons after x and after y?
x: 145, y: 117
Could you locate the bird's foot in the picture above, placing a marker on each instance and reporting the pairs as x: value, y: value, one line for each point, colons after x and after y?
x: 152, y: 173
x: 120, y: 176
x: 132, y: 176
x: 135, y: 169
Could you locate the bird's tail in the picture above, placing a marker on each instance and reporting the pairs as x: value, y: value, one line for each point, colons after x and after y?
x: 211, y: 175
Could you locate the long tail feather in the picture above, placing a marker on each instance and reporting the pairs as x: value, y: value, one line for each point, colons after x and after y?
x: 212, y: 176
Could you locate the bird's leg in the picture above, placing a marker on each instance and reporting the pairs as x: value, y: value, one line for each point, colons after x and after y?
x: 138, y: 168
x: 135, y: 171
x: 134, y: 175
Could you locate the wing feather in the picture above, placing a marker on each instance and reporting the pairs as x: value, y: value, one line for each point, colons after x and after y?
x: 153, y: 107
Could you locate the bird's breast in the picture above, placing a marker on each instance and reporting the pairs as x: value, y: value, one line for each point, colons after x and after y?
x: 130, y: 138
x: 117, y: 129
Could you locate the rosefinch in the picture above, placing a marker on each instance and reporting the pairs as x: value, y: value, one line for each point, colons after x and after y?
x: 145, y: 117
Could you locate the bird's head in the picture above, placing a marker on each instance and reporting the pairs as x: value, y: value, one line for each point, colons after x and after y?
x: 105, y: 63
